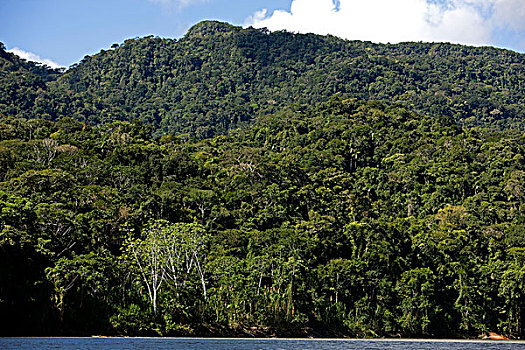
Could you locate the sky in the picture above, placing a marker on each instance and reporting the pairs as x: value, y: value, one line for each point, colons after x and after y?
x: 61, y: 32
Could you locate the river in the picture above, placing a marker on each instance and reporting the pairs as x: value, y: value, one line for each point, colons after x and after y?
x: 250, y: 344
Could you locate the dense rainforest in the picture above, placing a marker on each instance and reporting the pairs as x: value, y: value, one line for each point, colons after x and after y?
x: 241, y: 182
x: 218, y: 77
x: 347, y: 218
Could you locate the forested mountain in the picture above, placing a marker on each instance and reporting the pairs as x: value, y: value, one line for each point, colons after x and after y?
x: 238, y: 181
x: 22, y: 84
x: 219, y: 76
x: 346, y: 218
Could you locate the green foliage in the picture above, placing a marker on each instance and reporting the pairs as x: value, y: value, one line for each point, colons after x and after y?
x: 346, y: 218
x: 218, y: 77
x: 167, y: 254
x: 343, y: 217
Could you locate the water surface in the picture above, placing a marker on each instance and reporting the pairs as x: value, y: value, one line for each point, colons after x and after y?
x: 250, y: 344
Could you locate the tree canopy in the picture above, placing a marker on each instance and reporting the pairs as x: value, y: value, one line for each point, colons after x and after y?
x: 218, y: 77
x: 343, y: 218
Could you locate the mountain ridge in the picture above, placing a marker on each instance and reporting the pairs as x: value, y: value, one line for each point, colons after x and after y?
x: 219, y: 76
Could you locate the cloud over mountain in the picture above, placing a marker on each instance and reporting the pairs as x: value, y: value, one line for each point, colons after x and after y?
x: 29, y: 56
x: 473, y: 22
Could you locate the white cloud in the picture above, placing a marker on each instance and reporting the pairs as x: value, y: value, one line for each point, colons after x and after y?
x: 29, y: 56
x: 460, y: 21
x: 510, y: 13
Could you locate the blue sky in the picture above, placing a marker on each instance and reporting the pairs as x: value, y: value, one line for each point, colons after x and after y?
x: 64, y: 31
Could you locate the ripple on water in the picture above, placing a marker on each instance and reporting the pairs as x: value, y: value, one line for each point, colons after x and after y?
x: 250, y: 344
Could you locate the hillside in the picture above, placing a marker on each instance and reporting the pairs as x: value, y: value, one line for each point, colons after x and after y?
x: 346, y: 218
x: 218, y: 77
x: 240, y: 182
x: 22, y: 85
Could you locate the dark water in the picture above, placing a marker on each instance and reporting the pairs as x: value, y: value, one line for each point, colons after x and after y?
x: 248, y: 344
